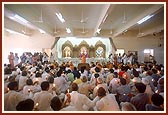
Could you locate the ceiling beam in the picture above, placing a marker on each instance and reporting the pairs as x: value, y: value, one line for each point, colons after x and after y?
x: 134, y: 21
x: 101, y: 18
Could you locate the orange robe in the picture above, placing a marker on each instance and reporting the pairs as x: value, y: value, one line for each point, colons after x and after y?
x: 83, y: 59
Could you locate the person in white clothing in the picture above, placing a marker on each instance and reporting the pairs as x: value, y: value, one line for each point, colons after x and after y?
x: 100, y: 83
x: 109, y: 77
x: 22, y: 80
x: 107, y: 102
x: 43, y: 98
x: 51, y: 57
x: 60, y: 82
x: 45, y: 74
x: 124, y: 58
x: 37, y: 79
x: 16, y: 59
x: 84, y: 87
x: 45, y: 57
x: 30, y: 88
x: 12, y: 98
x: 80, y: 101
x: 114, y: 84
x: 127, y: 106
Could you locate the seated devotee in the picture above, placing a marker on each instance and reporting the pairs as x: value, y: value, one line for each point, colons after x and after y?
x: 123, y: 91
x: 25, y: 105
x: 135, y: 76
x: 127, y: 106
x: 61, y: 82
x: 53, y: 89
x: 71, y: 66
x: 56, y: 103
x: 109, y: 77
x: 137, y: 99
x: 75, y: 72
x: 114, y: 84
x: 122, y: 71
x: 100, y: 83
x: 160, y: 86
x: 126, y: 75
x: 12, y: 98
x: 107, y: 102
x: 151, y: 80
x: 45, y: 74
x: 97, y: 71
x: 6, y: 82
x: 84, y: 87
x: 37, y: 79
x: 148, y: 88
x: 83, y: 71
x: 80, y: 101
x: 155, y: 76
x: 157, y: 103
x: 43, y: 98
x: 22, y: 79
x: 30, y: 88
x: 70, y: 76
x: 77, y: 76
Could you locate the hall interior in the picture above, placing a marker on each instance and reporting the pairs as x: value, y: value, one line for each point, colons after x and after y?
x: 96, y: 29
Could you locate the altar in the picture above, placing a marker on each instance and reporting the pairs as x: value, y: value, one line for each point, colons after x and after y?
x: 76, y: 61
x: 76, y: 50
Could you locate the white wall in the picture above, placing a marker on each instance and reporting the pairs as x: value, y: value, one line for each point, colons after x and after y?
x: 91, y: 41
x: 19, y: 43
x: 130, y: 42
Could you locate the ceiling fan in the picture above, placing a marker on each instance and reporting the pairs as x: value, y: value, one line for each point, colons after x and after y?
x: 83, y: 29
x: 82, y: 20
x: 40, y: 18
x: 56, y: 31
x: 124, y: 18
x: 140, y: 33
x: 25, y: 32
x: 111, y: 31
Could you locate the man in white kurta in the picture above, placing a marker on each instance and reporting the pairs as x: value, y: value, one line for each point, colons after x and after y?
x: 12, y: 98
x: 61, y: 84
x: 100, y: 83
x: 107, y: 102
x: 81, y: 101
x: 22, y: 80
x: 43, y: 98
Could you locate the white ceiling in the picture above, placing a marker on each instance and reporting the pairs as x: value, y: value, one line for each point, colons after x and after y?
x: 94, y: 15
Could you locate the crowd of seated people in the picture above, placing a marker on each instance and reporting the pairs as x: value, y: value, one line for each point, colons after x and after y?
x: 41, y: 85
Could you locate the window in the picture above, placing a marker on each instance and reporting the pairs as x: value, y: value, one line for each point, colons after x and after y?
x: 148, y: 55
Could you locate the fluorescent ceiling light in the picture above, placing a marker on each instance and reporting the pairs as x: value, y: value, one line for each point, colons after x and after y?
x: 14, y: 32
x: 68, y: 30
x: 42, y: 31
x: 20, y: 18
x: 60, y: 17
x: 145, y: 19
x: 10, y: 31
x: 105, y: 17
